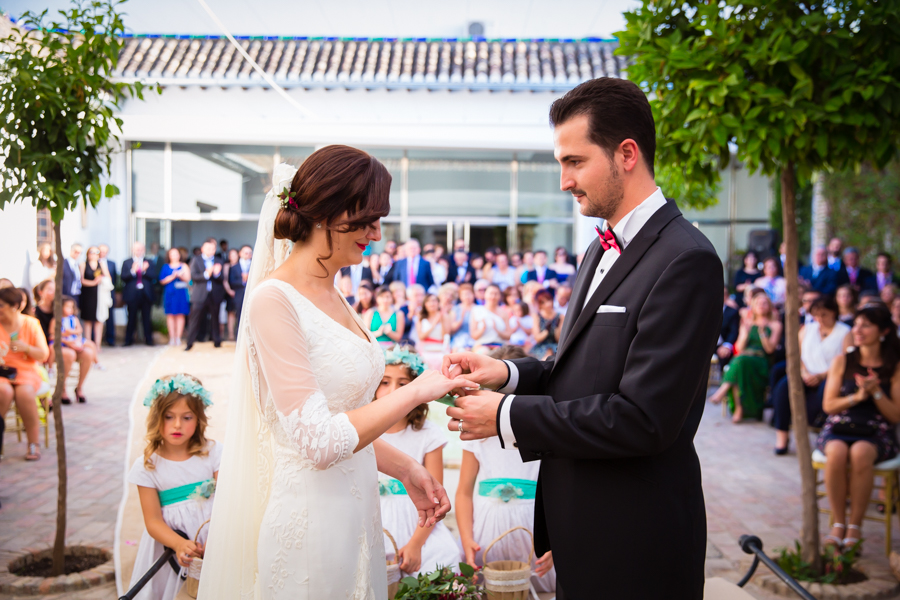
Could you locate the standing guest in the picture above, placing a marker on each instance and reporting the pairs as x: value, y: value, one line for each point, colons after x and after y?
x: 511, y: 296
x: 22, y: 347
x: 846, y: 299
x: 731, y: 326
x: 888, y: 293
x: 526, y: 267
x: 222, y: 254
x: 365, y: 297
x: 746, y: 275
x: 413, y: 268
x: 859, y: 277
x: 390, y: 248
x: 207, y: 293
x: 819, y: 275
x: 562, y: 265
x: 442, y: 266
x: 820, y: 343
x: 459, y: 245
x: 114, y: 280
x: 546, y: 327
x: 92, y: 274
x: 138, y: 275
x: 542, y: 273
x: 862, y: 400
x: 357, y: 274
x: 374, y: 263
x: 561, y: 300
x: 477, y: 262
x: 438, y: 270
x: 385, y: 266
x: 384, y: 321
x: 237, y: 280
x: 461, y: 325
x: 773, y: 283
x: 44, y: 266
x: 745, y: 381
x: 345, y: 285
x: 835, y: 247
x: 884, y: 272
x: 502, y: 273
x: 462, y: 271
x: 175, y: 277
x: 233, y: 258
x: 72, y: 273
x: 515, y: 259
x: 490, y: 323
x: 431, y: 324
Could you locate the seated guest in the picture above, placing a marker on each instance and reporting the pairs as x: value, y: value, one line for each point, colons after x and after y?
x: 480, y: 287
x: 431, y: 324
x: 744, y: 383
x: 862, y: 400
x: 820, y: 342
x: 511, y: 296
x: 543, y: 274
x: 415, y: 299
x: 563, y: 295
x: 868, y: 298
x: 73, y: 339
x: 859, y: 277
x: 502, y: 273
x: 490, y: 323
x: 731, y: 326
x: 888, y: 293
x: 385, y: 266
x: 546, y: 327
x: 365, y: 297
x: 895, y: 312
x: 25, y: 348
x: 744, y: 277
x: 461, y: 324
x: 521, y: 325
x: 817, y: 275
x: 384, y: 320
x: 772, y: 282
x: 462, y: 271
x: 846, y: 303
x: 807, y: 297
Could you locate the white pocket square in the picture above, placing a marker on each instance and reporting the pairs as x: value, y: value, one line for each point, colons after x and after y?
x: 609, y: 308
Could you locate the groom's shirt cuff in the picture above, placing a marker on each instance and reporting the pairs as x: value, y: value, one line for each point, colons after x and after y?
x: 504, y: 426
x: 512, y: 379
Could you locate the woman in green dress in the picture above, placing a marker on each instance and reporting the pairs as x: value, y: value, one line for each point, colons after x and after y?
x: 386, y: 323
x: 744, y: 383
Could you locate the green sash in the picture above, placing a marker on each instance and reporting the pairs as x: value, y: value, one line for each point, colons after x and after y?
x: 508, y: 489
x: 195, y: 491
x: 391, y: 487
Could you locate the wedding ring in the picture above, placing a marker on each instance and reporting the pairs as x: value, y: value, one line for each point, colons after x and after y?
x: 459, y: 428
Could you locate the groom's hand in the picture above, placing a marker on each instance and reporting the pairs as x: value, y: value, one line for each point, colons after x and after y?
x: 483, y: 370
x: 478, y: 413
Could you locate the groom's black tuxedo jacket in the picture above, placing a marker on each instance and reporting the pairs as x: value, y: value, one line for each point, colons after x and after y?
x: 613, y: 418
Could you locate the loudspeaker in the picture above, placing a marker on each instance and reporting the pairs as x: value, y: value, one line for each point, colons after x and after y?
x: 764, y: 243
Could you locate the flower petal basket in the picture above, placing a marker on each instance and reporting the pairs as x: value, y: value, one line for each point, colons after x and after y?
x: 393, y: 568
x: 508, y: 579
x: 192, y: 584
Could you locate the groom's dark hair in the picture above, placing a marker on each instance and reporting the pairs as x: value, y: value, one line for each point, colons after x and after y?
x: 617, y: 110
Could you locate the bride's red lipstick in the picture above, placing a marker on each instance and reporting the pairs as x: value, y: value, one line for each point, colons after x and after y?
x: 362, y: 246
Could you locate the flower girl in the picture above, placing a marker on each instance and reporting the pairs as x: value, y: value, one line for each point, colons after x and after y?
x: 421, y: 549
x: 176, y: 480
x: 496, y: 493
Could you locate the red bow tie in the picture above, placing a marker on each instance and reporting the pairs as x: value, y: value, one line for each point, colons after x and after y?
x: 608, y: 239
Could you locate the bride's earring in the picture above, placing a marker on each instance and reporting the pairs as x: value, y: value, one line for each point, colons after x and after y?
x: 318, y: 226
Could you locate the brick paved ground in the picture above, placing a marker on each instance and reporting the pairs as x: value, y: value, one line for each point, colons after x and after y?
x: 95, y: 439
x: 747, y: 488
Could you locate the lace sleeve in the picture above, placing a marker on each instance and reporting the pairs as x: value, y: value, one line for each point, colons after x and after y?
x: 286, y: 374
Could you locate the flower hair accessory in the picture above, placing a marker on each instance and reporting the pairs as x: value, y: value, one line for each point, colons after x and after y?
x: 288, y: 198
x: 180, y: 383
x: 401, y: 355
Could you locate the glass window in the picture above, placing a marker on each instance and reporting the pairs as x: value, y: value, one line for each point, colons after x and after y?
x: 295, y: 155
x: 539, y: 193
x: 147, y: 177
x: 544, y: 236
x: 392, y: 159
x: 220, y: 179
x: 459, y: 187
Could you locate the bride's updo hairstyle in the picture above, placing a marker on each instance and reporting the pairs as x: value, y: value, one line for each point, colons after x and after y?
x: 332, y: 181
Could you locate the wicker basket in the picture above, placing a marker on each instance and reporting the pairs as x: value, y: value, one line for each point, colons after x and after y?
x: 508, y: 579
x: 393, y: 569
x: 192, y: 585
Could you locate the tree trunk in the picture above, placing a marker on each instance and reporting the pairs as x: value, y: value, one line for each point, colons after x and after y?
x: 59, y: 544
x: 809, y: 535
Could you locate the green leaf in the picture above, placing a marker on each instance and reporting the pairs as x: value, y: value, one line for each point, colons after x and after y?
x: 797, y: 71
x: 410, y: 582
x: 466, y: 570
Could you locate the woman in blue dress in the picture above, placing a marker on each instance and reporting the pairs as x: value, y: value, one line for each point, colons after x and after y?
x: 175, y: 276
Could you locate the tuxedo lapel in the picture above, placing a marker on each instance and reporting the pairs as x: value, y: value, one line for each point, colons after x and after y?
x: 582, y: 283
x: 617, y: 273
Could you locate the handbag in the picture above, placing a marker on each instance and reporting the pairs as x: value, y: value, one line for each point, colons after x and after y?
x: 8, y: 372
x: 857, y: 425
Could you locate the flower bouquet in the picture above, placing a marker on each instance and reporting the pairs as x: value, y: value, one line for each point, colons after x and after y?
x: 442, y: 584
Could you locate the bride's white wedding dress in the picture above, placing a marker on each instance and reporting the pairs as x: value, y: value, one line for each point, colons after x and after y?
x: 320, y: 535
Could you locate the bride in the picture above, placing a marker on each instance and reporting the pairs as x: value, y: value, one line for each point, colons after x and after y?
x: 297, y: 507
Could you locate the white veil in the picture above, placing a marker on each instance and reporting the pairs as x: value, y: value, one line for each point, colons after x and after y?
x: 229, y: 567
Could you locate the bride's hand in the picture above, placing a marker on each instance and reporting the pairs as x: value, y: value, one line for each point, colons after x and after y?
x: 431, y: 385
x: 427, y: 494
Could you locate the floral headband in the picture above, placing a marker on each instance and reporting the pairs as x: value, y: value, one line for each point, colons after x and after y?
x: 401, y: 355
x: 183, y: 384
x: 288, y: 198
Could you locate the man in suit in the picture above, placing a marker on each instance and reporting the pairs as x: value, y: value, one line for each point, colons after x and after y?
x: 237, y: 280
x: 138, y: 275
x: 818, y: 275
x: 72, y: 274
x: 859, y: 277
x: 731, y: 326
x: 884, y: 272
x: 207, y: 293
x: 413, y: 268
x: 541, y: 272
x: 114, y: 276
x: 613, y: 415
x: 358, y: 274
x: 835, y: 246
x: 462, y: 271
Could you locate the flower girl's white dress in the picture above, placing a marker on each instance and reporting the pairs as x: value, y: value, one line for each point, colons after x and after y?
x: 320, y: 536
x: 502, y: 500
x: 399, y: 515
x: 186, y: 495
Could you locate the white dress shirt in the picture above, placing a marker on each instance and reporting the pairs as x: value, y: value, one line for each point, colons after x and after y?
x: 626, y: 230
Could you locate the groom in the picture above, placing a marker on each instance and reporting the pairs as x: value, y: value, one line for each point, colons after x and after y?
x: 613, y: 416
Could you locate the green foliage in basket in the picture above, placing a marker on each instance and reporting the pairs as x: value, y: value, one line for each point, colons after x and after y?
x: 442, y: 584
x: 838, y: 568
